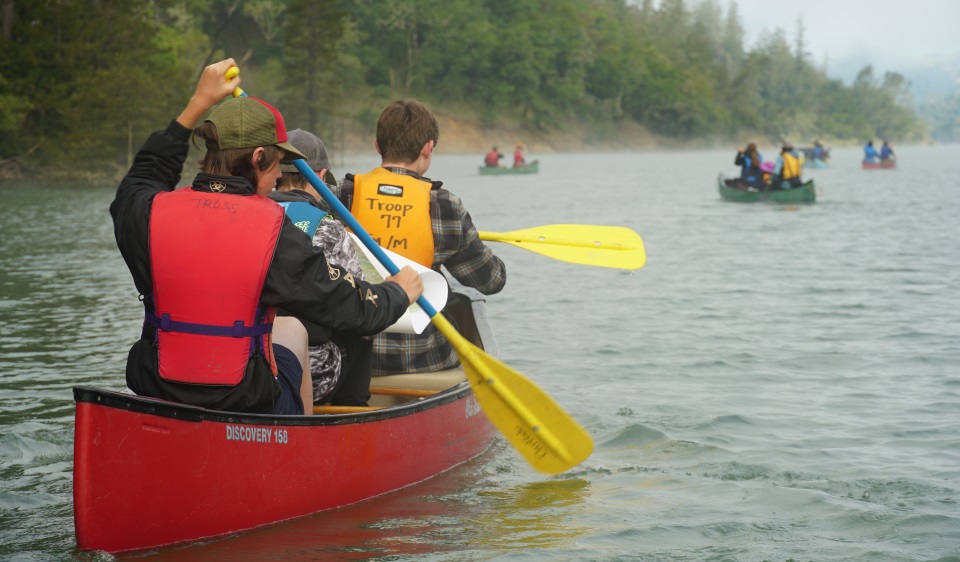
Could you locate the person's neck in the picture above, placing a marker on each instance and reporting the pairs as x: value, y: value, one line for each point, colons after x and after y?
x: 415, y: 166
x: 310, y: 190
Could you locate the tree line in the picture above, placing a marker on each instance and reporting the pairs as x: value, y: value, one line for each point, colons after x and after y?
x: 83, y: 82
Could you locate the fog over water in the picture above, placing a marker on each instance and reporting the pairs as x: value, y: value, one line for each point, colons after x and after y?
x: 852, y: 33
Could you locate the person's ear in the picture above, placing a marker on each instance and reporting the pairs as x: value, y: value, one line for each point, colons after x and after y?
x: 256, y: 158
x: 427, y: 149
x: 376, y: 145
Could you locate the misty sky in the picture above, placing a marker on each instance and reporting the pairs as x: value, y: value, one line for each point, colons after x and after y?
x: 887, y: 34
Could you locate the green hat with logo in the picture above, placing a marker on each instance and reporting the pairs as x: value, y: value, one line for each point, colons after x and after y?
x: 247, y: 122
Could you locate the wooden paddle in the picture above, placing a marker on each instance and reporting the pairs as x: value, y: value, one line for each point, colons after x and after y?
x: 604, y: 246
x: 547, y: 437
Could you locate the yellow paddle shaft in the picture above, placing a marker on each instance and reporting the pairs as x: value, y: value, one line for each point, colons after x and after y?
x: 555, y: 240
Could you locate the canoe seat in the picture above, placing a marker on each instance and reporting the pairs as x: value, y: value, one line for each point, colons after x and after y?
x: 438, y: 381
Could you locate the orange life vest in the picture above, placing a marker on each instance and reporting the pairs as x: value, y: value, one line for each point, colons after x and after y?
x: 395, y: 211
x: 209, y: 255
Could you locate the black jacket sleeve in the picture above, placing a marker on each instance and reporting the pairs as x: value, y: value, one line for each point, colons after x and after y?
x: 156, y: 168
x: 301, y: 282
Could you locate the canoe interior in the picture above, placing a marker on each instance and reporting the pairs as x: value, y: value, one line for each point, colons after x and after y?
x: 149, y: 473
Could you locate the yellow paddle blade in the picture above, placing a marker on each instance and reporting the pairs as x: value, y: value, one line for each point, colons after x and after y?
x: 604, y: 246
x: 550, y: 440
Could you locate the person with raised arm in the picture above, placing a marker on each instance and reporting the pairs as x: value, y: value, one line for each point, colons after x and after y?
x: 212, y: 262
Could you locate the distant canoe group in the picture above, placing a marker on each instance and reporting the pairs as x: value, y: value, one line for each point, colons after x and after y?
x: 779, y: 181
x: 884, y: 159
x: 491, y: 163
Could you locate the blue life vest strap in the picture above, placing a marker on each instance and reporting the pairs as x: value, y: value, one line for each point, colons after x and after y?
x: 238, y: 330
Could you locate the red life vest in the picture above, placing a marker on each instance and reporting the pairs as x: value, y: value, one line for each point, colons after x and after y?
x: 518, y: 159
x: 209, y: 255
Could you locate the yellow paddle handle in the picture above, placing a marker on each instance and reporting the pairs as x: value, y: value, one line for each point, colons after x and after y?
x: 232, y: 73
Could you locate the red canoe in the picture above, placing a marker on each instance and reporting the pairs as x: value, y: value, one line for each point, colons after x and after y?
x: 881, y: 165
x: 149, y: 472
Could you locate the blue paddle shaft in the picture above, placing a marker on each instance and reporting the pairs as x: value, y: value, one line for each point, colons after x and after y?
x: 355, y: 226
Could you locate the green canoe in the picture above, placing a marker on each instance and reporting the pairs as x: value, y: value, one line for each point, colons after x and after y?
x: 528, y: 168
x: 733, y: 190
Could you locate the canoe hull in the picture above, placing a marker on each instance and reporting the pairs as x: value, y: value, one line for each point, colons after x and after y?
x: 149, y: 472
x: 881, y: 165
x: 529, y: 168
x: 732, y: 190
x: 201, y: 474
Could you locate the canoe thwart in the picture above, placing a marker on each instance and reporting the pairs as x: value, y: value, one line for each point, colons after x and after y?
x: 328, y: 409
x: 410, y: 392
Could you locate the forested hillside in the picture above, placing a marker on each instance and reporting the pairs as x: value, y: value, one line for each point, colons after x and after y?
x: 82, y: 82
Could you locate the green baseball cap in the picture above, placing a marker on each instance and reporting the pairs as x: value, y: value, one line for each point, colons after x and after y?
x: 247, y: 122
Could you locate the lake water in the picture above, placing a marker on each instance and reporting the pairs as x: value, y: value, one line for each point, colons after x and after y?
x: 777, y: 383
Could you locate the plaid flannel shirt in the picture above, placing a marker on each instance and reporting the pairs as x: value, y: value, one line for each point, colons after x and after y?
x: 458, y: 248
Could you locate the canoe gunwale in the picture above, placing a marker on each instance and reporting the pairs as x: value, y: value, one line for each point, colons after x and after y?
x: 186, y: 412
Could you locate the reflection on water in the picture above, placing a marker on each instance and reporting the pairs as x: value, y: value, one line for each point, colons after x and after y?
x: 529, y: 515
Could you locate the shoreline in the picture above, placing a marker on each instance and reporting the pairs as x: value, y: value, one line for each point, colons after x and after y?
x: 462, y: 136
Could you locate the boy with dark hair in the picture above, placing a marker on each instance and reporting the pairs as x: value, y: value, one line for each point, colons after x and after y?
x: 417, y: 218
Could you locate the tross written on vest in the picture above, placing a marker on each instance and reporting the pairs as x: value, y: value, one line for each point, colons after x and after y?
x: 395, y: 211
x: 209, y: 255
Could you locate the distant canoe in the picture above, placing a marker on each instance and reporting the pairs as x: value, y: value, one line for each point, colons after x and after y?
x: 809, y: 151
x: 816, y: 163
x: 733, y: 190
x: 881, y: 165
x: 528, y: 168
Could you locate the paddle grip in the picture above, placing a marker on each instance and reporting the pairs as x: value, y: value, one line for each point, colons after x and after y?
x: 232, y: 72
x: 355, y: 226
